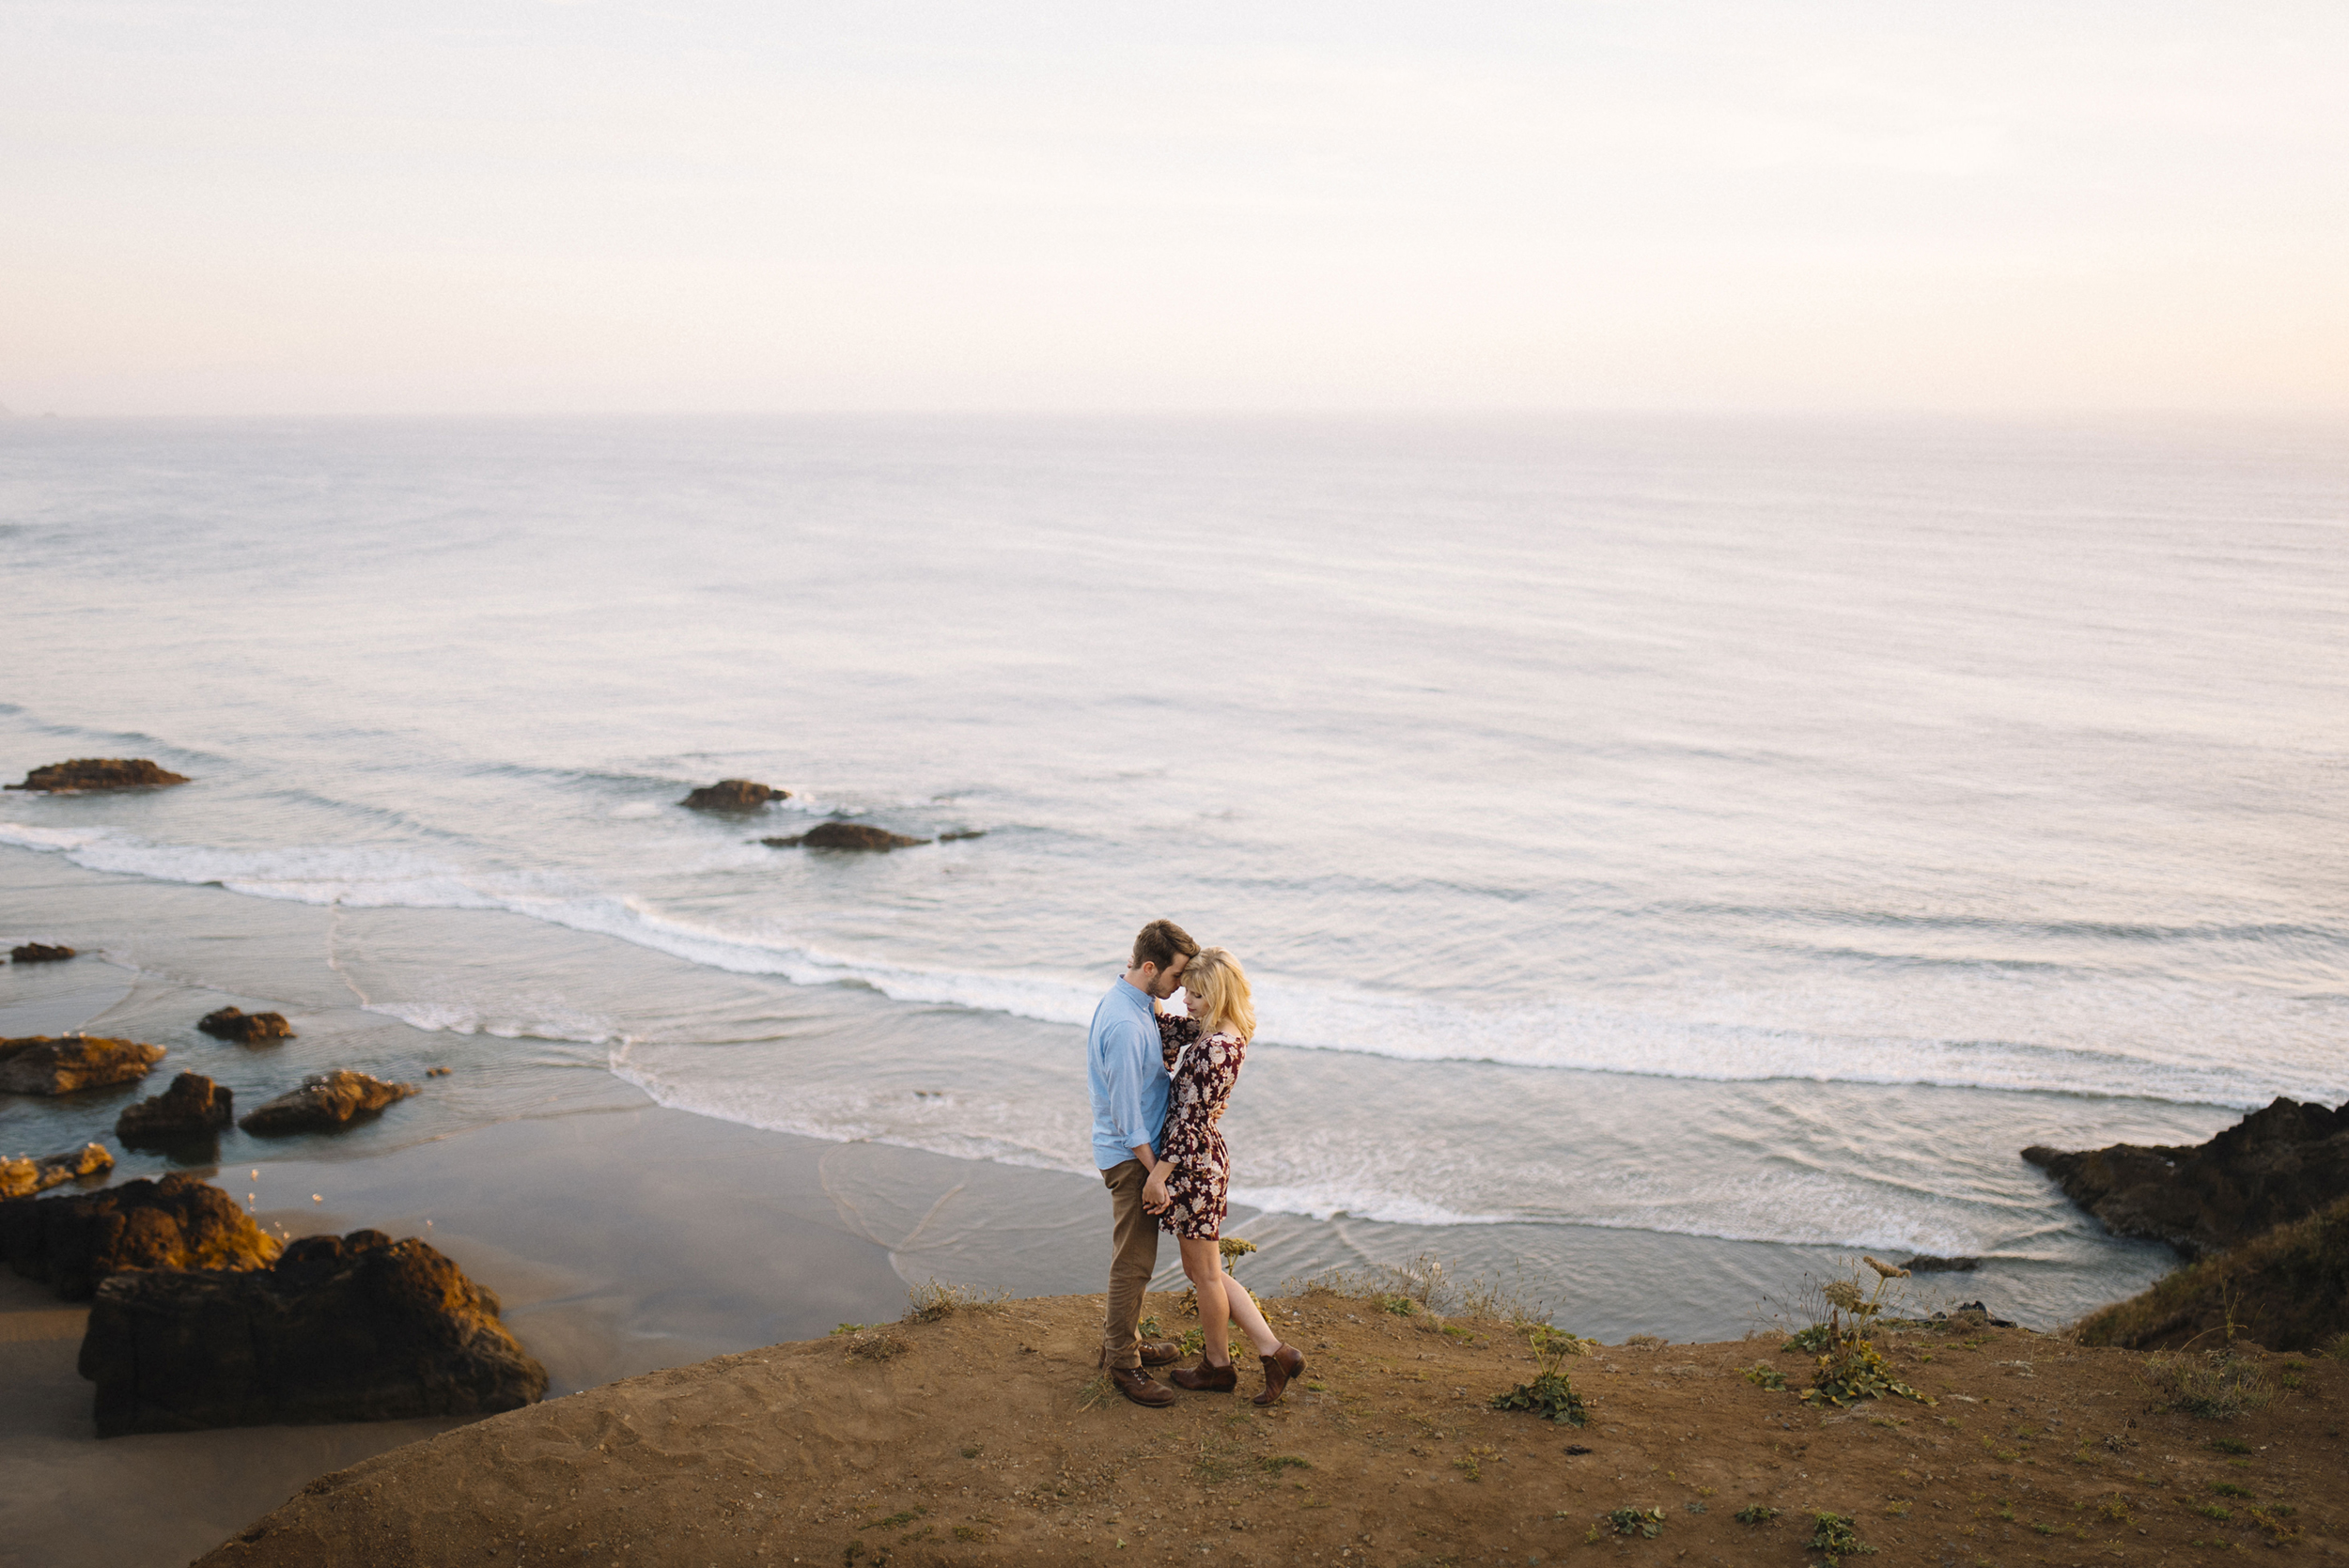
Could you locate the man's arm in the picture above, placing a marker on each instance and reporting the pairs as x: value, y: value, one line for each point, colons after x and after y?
x: 1122, y: 1066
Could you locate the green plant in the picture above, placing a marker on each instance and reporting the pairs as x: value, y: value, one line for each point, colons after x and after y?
x: 2228, y: 1489
x: 2115, y: 1508
x: 876, y: 1346
x: 1754, y: 1514
x: 1148, y: 1327
x: 2230, y: 1445
x: 2212, y: 1510
x: 2338, y: 1347
x: 1848, y: 1367
x: 938, y: 1299
x: 1401, y: 1305
x: 1275, y: 1463
x: 1232, y: 1247
x: 1764, y: 1375
x: 2216, y: 1385
x: 849, y: 1329
x: 1550, y: 1396
x: 1837, y: 1537
x: 2271, y: 1521
x: 971, y: 1451
x: 1193, y: 1342
x: 1647, y: 1521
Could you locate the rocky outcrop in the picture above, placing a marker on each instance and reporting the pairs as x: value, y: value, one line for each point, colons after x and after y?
x: 71, y: 1243
x: 191, y: 1110
x: 2275, y: 1167
x: 234, y: 1024
x: 352, y: 1328
x: 324, y: 1103
x: 38, y: 953
x: 69, y: 778
x: 733, y: 795
x: 961, y: 833
x: 22, y: 1178
x: 38, y: 1064
x: 844, y: 835
x: 2287, y: 1290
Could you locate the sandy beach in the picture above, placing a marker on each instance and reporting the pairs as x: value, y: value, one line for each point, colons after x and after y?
x: 984, y: 1439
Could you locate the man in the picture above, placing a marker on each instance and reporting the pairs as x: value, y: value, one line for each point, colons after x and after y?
x: 1128, y: 1078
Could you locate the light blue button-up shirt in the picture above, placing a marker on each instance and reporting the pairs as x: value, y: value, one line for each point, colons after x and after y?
x: 1126, y: 1075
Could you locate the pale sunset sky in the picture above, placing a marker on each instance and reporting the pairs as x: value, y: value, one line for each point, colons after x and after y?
x: 513, y: 206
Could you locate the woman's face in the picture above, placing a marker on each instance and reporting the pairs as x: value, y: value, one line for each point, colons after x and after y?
x: 1194, y: 1003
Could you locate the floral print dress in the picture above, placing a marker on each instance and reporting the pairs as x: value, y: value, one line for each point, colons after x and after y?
x: 1202, y: 1074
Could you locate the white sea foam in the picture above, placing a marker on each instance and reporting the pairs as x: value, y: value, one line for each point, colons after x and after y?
x: 1567, y: 1034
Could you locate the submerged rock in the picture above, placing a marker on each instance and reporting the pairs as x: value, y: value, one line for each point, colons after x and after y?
x: 733, y: 795
x: 192, y: 1110
x: 352, y: 1328
x: 38, y: 953
x: 2275, y: 1166
x: 324, y: 1103
x: 1926, y: 1262
x: 961, y: 833
x: 844, y: 835
x: 71, y: 1243
x: 22, y: 1178
x: 234, y: 1024
x: 69, y: 778
x: 38, y: 1064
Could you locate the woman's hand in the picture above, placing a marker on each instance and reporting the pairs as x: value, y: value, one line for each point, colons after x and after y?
x: 1154, y: 1196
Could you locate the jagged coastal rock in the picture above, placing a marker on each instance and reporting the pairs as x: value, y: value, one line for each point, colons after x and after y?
x: 71, y: 778
x: 234, y: 1024
x: 38, y: 953
x: 325, y: 1102
x: 38, y: 1064
x: 733, y: 795
x: 844, y: 835
x: 2275, y: 1167
x: 192, y: 1110
x: 71, y: 1243
x: 22, y: 1178
x: 352, y: 1328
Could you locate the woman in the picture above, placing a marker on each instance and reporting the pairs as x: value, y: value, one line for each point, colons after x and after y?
x: 1186, y: 1188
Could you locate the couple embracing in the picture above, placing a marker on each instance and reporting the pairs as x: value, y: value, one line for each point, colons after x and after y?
x: 1160, y: 1084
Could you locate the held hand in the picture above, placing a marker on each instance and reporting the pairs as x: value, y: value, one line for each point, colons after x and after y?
x: 1154, y: 1196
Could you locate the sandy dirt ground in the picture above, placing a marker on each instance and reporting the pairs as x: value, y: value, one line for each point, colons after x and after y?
x: 985, y: 1440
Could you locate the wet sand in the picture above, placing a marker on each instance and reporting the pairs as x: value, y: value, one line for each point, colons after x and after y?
x: 620, y: 1243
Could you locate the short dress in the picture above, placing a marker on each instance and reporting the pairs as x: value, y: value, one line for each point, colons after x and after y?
x: 1203, y: 1073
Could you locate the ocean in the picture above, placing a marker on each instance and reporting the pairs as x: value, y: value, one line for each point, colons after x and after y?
x: 1671, y: 854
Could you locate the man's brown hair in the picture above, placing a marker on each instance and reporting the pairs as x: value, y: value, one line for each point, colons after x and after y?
x: 1160, y: 941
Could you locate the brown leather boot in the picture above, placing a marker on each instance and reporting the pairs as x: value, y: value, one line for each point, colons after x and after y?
x: 1160, y: 1353
x: 1139, y: 1387
x: 1205, y: 1379
x: 1279, y: 1368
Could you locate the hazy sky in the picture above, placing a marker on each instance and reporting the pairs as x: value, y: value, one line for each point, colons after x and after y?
x: 361, y: 205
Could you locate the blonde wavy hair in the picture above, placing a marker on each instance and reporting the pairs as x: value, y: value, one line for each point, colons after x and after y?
x: 1216, y: 978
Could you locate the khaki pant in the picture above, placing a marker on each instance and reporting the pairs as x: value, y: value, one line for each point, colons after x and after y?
x: 1131, y: 1263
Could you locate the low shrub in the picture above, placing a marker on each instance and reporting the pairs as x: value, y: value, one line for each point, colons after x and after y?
x: 2214, y: 1385
x: 938, y: 1299
x: 1754, y: 1514
x: 1645, y: 1522
x: 1837, y: 1537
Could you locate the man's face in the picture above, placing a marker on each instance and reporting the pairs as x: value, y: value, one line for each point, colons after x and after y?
x: 1170, y: 979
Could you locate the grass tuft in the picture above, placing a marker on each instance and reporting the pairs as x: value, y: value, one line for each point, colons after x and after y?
x: 2215, y: 1385
x: 938, y: 1299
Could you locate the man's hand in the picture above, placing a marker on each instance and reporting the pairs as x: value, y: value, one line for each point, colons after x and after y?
x: 1154, y: 1195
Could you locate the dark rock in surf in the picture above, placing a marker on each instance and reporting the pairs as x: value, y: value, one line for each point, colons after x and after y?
x: 191, y: 1110
x: 844, y: 835
x: 73, y: 1242
x: 326, y: 1102
x: 86, y: 774
x: 38, y: 1064
x: 351, y: 1329
x: 2275, y: 1166
x: 22, y: 1178
x: 736, y: 795
x: 961, y: 833
x: 1927, y: 1263
x: 38, y: 953
x: 232, y: 1023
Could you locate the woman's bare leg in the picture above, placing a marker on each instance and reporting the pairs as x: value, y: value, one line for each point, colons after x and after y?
x: 1246, y: 1313
x: 1203, y: 1261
